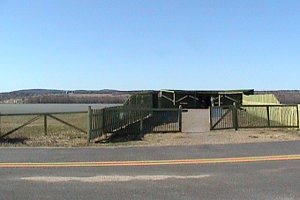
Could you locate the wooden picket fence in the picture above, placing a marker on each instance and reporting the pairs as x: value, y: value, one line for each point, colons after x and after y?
x: 126, y: 120
x: 254, y: 116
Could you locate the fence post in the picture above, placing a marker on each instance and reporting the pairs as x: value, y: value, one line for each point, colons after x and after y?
x: 268, y: 116
x: 210, y: 117
x: 45, y: 125
x: 235, y: 117
x: 101, y: 125
x: 298, y: 120
x: 180, y: 118
x: 89, y: 125
x: 0, y: 125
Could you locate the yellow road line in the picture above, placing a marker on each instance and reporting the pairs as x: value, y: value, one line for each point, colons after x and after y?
x: 150, y: 162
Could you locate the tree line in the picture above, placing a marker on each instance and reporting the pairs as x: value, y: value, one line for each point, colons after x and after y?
x: 74, y: 99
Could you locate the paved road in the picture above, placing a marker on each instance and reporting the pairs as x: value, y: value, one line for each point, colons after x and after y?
x: 278, y: 179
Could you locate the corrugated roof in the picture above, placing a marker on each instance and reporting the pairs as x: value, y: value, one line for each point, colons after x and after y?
x: 212, y: 92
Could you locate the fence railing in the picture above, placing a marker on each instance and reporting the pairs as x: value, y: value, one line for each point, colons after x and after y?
x: 254, y: 116
x: 140, y: 100
x: 132, y: 121
x: 111, y: 120
x: 32, y: 122
x: 272, y: 116
x: 221, y: 117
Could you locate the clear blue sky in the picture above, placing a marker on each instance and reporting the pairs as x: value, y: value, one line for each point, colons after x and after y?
x: 149, y: 44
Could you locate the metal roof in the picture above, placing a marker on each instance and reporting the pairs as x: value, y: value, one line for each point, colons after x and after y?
x: 211, y: 92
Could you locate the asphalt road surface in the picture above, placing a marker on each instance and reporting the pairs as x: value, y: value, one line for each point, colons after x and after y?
x: 247, y: 171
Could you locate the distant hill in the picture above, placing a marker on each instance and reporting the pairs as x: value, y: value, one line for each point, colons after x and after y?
x: 65, y: 96
x: 50, y: 91
x: 107, y: 96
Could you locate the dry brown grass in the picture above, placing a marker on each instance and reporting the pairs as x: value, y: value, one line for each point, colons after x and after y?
x: 215, y: 137
x: 33, y: 134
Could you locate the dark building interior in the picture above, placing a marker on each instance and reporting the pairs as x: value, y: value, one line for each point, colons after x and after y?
x: 195, y: 99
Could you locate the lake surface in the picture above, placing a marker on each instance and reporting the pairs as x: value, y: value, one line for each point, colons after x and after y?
x: 48, y: 108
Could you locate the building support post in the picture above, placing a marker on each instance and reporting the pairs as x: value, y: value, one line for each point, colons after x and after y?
x: 174, y: 99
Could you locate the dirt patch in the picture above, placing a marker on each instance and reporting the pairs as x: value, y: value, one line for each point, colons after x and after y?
x: 63, y: 139
x: 195, y: 121
x: 218, y: 137
x: 74, y: 139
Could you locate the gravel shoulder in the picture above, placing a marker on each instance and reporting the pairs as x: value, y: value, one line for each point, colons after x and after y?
x: 164, y: 139
x: 220, y: 137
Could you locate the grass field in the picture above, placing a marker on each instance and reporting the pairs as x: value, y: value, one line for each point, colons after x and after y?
x: 49, y: 108
x: 58, y: 134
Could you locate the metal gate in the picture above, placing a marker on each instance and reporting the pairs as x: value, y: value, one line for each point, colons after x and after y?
x: 223, y: 117
x: 254, y: 116
x: 132, y: 121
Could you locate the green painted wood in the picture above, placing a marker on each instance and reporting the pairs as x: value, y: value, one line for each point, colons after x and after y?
x: 265, y: 121
x: 66, y: 123
x: 0, y: 126
x: 278, y: 105
x: 45, y: 125
x: 235, y: 117
x: 89, y: 125
x: 221, y: 119
x: 180, y: 118
x: 47, y: 113
x: 298, y: 117
x: 268, y: 116
x: 115, y: 119
x: 19, y: 127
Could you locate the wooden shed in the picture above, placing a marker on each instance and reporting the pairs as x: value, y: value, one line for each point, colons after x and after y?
x: 198, y: 98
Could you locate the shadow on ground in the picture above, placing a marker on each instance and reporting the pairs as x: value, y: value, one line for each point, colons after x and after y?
x: 120, y: 137
x: 18, y: 140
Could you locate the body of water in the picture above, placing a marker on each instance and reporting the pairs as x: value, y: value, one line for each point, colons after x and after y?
x: 48, y: 108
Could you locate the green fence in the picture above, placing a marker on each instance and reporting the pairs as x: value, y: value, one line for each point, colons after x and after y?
x: 221, y: 117
x: 273, y: 116
x: 32, y: 125
x: 260, y: 99
x: 254, y: 116
x: 140, y: 100
x: 134, y: 121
